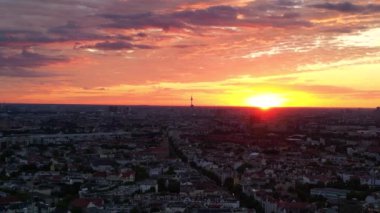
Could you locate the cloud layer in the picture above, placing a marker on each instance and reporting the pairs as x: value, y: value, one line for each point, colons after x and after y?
x: 138, y: 43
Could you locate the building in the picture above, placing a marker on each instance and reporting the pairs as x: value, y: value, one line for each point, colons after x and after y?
x: 329, y: 193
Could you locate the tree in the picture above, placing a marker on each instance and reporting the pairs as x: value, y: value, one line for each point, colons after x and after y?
x: 359, y: 195
x: 336, y: 184
x: 238, y: 189
x: 170, y: 171
x: 302, y: 191
x: 141, y: 173
x: 211, y: 175
x: 354, y: 183
x: 161, y: 185
x: 155, y: 209
x: 250, y: 202
x: 243, y: 167
x: 29, y: 168
x: 76, y: 210
x: 6, y: 154
x: 229, y: 184
x: 134, y: 210
x: 174, y: 186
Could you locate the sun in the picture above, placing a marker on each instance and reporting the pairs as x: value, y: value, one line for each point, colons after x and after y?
x: 266, y: 101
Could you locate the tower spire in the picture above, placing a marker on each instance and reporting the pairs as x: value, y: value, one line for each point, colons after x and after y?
x: 191, y: 101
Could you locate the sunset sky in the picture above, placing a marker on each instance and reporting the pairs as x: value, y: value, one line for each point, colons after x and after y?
x: 161, y: 52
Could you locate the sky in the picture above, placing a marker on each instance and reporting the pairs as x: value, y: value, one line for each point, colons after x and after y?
x: 316, y: 53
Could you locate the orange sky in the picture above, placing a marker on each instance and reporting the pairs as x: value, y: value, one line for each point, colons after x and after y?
x: 161, y: 52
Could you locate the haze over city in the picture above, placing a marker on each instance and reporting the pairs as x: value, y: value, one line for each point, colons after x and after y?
x: 311, y: 53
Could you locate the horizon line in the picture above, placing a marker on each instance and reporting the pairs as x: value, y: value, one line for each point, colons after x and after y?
x: 195, y: 106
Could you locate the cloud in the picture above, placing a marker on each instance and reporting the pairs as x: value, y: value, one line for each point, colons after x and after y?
x: 24, y: 64
x: 24, y: 73
x: 12, y: 37
x: 118, y: 45
x: 348, y: 7
x: 185, y: 46
x: 96, y: 18
x: 64, y: 33
x: 73, y: 31
x: 339, y: 92
x: 184, y: 40
x: 29, y: 59
x: 141, y: 21
x: 221, y: 15
x: 213, y: 16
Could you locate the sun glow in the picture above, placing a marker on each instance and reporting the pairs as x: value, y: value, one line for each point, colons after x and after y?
x: 266, y: 101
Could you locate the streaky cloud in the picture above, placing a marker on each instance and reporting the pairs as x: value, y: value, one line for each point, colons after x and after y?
x: 118, y: 45
x: 29, y: 59
x: 348, y: 7
x: 25, y: 73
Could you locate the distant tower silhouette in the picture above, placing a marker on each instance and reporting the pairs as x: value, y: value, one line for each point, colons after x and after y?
x: 191, y: 102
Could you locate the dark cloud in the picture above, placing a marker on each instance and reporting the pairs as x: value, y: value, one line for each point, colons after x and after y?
x: 141, y: 35
x: 94, y: 17
x: 70, y: 26
x: 12, y: 37
x: 291, y: 15
x: 144, y: 20
x: 287, y: 3
x: 281, y: 21
x: 118, y: 45
x: 29, y: 59
x: 348, y: 7
x: 184, y: 46
x: 343, y: 29
x: 64, y: 33
x: 95, y: 88
x: 261, y: 7
x: 213, y: 16
x: 24, y: 73
x: 25, y: 38
x: 74, y: 32
x: 24, y: 63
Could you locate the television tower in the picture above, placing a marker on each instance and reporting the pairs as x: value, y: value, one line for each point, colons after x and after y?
x: 191, y: 102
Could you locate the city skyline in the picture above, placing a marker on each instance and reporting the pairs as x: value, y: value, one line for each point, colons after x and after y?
x: 289, y: 53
